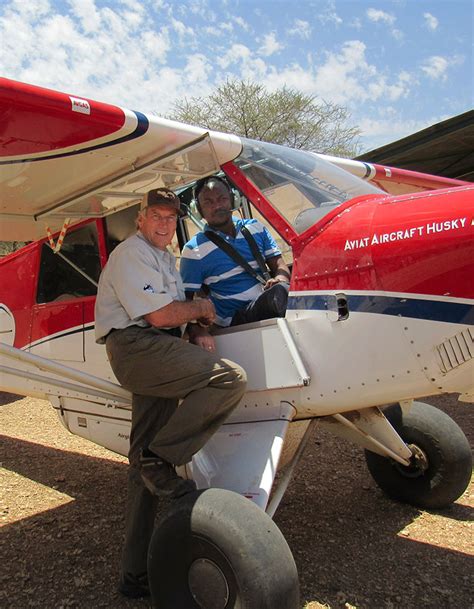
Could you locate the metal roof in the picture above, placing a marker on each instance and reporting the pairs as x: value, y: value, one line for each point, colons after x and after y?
x: 444, y: 149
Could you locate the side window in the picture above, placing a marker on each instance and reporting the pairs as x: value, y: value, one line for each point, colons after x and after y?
x: 74, y: 271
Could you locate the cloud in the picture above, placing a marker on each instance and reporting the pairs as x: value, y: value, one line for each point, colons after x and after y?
x: 197, y: 7
x: 184, y: 32
x: 218, y: 31
x: 377, y: 15
x: 242, y: 63
x: 270, y: 45
x: 156, y: 45
x: 300, y: 28
x: 430, y: 21
x: 242, y: 23
x: 87, y: 14
x: 397, y: 34
x: 70, y: 52
x: 226, y: 26
x: 377, y: 132
x: 347, y: 75
x: 236, y: 54
x: 329, y: 14
x: 436, y: 67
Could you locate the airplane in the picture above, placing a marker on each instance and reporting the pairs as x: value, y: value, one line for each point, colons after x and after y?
x: 380, y: 315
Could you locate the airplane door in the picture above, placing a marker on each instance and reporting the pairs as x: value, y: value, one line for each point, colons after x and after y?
x: 66, y: 281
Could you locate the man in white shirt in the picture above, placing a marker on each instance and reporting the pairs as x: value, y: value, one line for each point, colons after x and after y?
x: 140, y: 314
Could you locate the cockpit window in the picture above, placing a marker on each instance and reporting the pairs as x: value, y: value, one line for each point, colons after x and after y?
x: 74, y: 271
x: 301, y: 185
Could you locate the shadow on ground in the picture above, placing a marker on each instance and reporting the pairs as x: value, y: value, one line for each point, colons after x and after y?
x: 347, y: 538
x: 349, y: 542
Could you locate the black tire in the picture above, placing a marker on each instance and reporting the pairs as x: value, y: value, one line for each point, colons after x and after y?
x: 442, y: 466
x: 217, y: 550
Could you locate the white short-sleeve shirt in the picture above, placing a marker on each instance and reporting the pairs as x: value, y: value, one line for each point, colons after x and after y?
x: 137, y: 279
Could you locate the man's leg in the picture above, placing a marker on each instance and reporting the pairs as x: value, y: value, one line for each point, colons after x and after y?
x: 270, y: 303
x: 148, y: 415
x: 153, y: 363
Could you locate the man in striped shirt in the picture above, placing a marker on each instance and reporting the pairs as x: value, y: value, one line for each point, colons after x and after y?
x: 237, y: 296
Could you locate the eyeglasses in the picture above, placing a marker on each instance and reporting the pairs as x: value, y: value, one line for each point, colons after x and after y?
x: 168, y: 219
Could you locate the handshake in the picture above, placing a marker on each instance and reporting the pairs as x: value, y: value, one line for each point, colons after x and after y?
x: 206, y: 313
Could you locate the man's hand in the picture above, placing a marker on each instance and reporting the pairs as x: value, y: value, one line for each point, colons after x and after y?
x: 271, y: 282
x: 207, y: 315
x: 279, y: 271
x: 201, y: 337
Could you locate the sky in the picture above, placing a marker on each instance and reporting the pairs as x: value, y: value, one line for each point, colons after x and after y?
x: 398, y: 66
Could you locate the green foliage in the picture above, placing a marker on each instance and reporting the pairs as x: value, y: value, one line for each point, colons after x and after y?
x: 284, y: 116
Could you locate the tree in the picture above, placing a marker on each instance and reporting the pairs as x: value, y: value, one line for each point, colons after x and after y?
x: 284, y: 116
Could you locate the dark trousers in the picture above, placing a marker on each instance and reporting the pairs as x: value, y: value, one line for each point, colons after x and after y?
x: 160, y: 370
x: 271, y: 303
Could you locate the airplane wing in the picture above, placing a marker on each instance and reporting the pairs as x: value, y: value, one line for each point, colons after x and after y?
x: 67, y: 157
x: 64, y: 157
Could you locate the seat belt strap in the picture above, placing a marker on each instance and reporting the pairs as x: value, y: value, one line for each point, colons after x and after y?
x: 257, y: 254
x: 234, y: 255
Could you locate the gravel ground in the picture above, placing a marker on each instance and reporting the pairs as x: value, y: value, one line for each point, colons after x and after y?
x: 62, y: 503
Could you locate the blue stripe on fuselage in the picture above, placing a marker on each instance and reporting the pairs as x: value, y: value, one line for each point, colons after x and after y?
x: 432, y: 310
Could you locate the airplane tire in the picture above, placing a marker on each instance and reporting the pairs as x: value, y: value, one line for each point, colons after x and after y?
x: 441, y: 467
x: 217, y: 550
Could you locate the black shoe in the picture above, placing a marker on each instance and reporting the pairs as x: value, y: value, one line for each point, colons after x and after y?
x: 134, y: 587
x: 161, y: 478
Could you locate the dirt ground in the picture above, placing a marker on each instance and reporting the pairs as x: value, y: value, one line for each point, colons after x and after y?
x: 62, y: 504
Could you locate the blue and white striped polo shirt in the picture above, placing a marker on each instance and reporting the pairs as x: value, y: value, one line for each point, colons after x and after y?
x: 231, y: 288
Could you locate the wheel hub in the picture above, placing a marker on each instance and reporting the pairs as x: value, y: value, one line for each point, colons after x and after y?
x: 418, y: 463
x: 208, y: 584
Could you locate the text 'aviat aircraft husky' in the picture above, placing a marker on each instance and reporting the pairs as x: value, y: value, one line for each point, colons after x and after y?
x: 380, y: 314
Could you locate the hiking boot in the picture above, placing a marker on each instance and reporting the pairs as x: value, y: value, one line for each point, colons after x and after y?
x: 161, y: 478
x: 133, y: 586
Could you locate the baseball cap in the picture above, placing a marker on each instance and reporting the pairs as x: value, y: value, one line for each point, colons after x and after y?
x: 162, y: 196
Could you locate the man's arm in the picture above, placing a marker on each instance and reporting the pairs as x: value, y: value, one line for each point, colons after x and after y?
x: 278, y: 270
x: 177, y: 313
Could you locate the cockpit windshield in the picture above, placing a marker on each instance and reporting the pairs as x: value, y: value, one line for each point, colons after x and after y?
x: 300, y: 184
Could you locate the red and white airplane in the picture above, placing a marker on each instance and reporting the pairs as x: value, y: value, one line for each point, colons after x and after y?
x: 380, y: 313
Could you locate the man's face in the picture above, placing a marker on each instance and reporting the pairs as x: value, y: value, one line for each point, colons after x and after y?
x: 215, y: 204
x: 158, y: 225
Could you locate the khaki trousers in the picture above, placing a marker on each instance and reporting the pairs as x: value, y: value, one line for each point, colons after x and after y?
x: 160, y: 370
